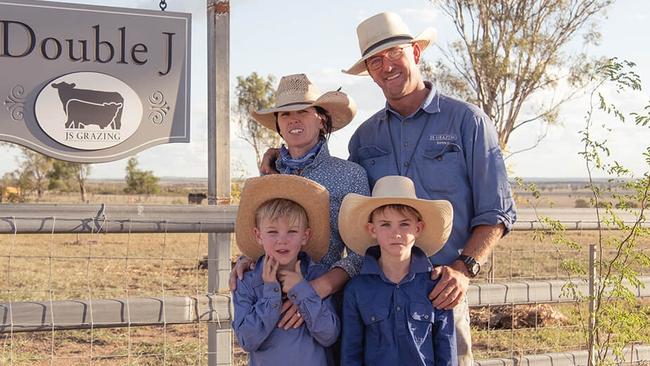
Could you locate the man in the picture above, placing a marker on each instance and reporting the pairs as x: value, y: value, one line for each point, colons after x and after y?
x: 447, y: 147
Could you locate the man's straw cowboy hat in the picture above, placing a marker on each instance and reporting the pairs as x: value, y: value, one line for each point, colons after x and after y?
x: 381, y: 32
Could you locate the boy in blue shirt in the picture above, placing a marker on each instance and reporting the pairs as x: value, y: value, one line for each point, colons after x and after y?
x: 388, y: 318
x: 283, y: 221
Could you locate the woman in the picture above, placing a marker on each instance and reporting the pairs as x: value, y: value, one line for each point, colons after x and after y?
x: 304, y: 119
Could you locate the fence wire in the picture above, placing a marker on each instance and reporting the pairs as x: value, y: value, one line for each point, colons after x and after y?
x: 93, y: 267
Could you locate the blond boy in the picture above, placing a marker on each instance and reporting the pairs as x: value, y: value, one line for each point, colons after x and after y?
x: 283, y: 222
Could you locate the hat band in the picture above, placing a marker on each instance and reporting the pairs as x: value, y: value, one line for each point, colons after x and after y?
x: 383, y: 42
x: 294, y: 103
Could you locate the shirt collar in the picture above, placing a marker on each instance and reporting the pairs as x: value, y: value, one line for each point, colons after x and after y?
x: 430, y: 104
x: 322, y: 155
x: 419, y: 263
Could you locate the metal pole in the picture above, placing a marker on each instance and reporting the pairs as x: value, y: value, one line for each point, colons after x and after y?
x: 219, y: 340
x: 592, y: 304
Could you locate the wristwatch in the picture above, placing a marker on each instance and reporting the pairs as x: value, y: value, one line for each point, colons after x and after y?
x: 473, y: 267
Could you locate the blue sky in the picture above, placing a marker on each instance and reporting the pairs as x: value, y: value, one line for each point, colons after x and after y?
x: 318, y: 38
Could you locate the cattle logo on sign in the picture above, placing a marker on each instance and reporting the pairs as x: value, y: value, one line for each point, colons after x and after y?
x: 88, y: 110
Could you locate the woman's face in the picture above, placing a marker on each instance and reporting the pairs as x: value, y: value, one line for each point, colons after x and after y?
x: 300, y: 129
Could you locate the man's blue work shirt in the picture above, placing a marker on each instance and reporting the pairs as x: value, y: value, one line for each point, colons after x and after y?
x: 257, y: 312
x: 451, y: 151
x: 395, y: 324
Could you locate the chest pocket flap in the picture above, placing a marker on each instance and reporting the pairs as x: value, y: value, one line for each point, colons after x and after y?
x: 372, y: 314
x: 371, y: 151
x: 421, y: 312
x: 442, y: 152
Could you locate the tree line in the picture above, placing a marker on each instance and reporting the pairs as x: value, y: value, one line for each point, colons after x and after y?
x: 37, y: 173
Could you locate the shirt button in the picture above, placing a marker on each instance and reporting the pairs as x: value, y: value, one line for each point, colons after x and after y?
x: 293, y: 297
x: 398, y: 308
x: 439, y: 158
x: 406, y: 144
x: 397, y: 286
x: 406, y: 164
x: 372, y: 318
x: 276, y: 289
x: 426, y: 317
x: 372, y: 162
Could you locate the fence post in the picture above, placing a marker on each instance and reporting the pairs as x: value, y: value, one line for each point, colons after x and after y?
x: 218, y: 19
x: 592, y: 303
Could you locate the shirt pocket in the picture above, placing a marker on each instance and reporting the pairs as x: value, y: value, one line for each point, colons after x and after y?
x: 421, y: 318
x: 375, y: 160
x: 442, y: 166
x: 378, y: 330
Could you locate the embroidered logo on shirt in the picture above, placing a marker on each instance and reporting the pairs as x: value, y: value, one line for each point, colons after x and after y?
x: 443, y: 139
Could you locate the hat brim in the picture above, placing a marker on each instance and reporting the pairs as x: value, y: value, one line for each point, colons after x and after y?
x: 423, y: 39
x: 313, y: 197
x: 437, y: 216
x: 341, y: 107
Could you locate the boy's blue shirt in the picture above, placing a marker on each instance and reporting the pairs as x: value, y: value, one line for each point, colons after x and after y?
x: 257, y: 311
x: 395, y: 324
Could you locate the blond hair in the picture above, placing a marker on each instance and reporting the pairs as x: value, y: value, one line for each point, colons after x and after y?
x: 282, y: 208
x: 406, y: 211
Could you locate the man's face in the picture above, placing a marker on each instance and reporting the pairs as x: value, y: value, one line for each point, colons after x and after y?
x: 398, y: 76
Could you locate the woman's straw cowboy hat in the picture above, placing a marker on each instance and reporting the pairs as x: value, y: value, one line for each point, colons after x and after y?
x: 381, y: 32
x: 296, y: 92
x: 312, y: 196
x: 437, y: 215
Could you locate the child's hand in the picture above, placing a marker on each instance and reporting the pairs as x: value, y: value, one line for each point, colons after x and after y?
x: 270, y: 270
x: 289, y: 279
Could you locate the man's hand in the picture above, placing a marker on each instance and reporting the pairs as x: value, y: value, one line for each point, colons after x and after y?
x: 289, y: 278
x: 267, y: 166
x: 270, y: 270
x: 450, y: 289
x: 291, y: 318
x: 242, y: 265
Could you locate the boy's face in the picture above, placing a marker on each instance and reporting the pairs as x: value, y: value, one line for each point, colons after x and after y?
x: 394, y: 232
x: 281, y: 239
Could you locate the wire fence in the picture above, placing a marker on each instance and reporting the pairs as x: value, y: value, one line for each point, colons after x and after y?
x: 129, y: 285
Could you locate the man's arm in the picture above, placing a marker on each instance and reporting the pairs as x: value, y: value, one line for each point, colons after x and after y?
x: 453, y: 280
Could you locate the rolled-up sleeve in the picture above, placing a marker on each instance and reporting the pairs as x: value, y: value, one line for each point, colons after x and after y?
x: 492, y: 196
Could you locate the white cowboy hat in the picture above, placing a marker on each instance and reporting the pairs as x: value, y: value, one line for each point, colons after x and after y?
x: 381, y: 32
x: 296, y: 92
x: 312, y: 196
x: 437, y: 215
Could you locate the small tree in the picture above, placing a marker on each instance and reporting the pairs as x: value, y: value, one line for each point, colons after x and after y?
x: 68, y: 176
x: 140, y: 181
x: 617, y: 318
x: 253, y: 93
x: 33, y: 172
x: 510, y: 51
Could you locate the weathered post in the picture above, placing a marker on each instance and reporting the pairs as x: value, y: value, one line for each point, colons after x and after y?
x: 219, y: 339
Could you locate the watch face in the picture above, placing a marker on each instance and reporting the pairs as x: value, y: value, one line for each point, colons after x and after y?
x: 474, y: 268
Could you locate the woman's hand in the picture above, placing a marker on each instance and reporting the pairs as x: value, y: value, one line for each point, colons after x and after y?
x: 267, y: 166
x: 291, y: 318
x: 242, y: 265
